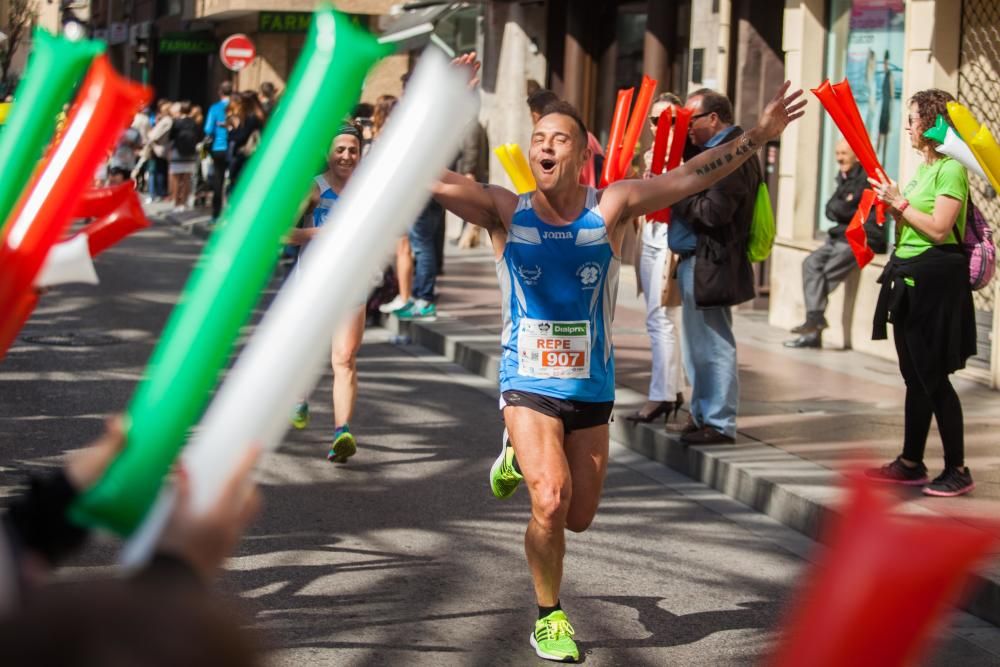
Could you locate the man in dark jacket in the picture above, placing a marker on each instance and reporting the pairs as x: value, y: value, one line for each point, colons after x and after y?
x: 709, y: 230
x: 833, y: 261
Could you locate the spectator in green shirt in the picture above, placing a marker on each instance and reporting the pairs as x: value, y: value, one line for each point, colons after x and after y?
x: 926, y: 295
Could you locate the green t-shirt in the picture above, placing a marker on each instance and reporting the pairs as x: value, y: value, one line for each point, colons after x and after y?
x: 944, y: 177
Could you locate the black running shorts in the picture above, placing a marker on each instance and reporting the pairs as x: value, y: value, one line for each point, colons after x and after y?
x: 575, y: 415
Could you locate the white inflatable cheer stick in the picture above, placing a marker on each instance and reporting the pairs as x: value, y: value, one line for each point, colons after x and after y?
x: 385, y: 194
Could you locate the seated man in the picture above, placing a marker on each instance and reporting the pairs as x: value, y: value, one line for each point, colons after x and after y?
x: 833, y: 261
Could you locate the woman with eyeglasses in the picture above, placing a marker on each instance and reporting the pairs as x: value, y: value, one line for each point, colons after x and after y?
x: 926, y: 295
x: 652, y: 266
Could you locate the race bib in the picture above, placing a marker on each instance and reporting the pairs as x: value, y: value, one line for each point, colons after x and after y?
x: 553, y: 349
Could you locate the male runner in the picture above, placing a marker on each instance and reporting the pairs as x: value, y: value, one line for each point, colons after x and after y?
x: 557, y: 256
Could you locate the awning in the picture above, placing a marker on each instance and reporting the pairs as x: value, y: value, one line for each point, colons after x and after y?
x: 414, y: 27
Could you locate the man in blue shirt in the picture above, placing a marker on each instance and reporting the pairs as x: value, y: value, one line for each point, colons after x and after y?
x: 709, y: 230
x: 218, y: 143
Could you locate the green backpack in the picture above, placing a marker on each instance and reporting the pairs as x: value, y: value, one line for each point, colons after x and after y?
x: 762, y: 228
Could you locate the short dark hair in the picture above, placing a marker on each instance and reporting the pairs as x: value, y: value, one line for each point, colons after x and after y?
x: 267, y: 89
x: 566, y: 109
x: 225, y: 89
x: 717, y: 103
x: 541, y: 99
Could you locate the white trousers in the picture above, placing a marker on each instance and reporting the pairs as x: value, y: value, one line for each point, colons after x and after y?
x: 661, y: 324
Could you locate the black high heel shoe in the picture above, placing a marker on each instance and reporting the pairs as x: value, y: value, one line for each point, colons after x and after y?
x: 662, y: 408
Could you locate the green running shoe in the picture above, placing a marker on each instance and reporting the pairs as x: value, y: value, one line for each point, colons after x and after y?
x: 344, y: 445
x: 300, y: 416
x: 417, y: 310
x: 504, y: 478
x: 553, y: 638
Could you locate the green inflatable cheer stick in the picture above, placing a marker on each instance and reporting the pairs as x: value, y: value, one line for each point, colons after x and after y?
x: 54, y: 70
x: 939, y: 131
x: 233, y: 270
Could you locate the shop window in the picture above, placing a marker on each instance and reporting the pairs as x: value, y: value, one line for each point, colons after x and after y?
x: 865, y: 45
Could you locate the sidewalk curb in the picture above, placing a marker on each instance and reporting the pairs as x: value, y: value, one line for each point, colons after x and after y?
x: 798, y: 493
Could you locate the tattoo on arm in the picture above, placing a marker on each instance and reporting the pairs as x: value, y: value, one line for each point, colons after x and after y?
x: 743, y: 146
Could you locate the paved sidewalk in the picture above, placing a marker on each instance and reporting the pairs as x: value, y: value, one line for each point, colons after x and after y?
x: 806, y: 416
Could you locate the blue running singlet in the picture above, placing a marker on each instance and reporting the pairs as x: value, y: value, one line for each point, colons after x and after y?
x: 559, y: 285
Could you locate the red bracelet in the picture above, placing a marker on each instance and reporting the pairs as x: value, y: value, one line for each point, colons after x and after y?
x: 906, y: 205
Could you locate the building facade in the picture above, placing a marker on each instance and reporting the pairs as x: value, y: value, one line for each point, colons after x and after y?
x: 888, y: 50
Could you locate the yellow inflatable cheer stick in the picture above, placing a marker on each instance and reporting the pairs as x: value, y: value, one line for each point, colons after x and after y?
x: 521, y: 163
x: 964, y: 121
x: 516, y: 166
x: 980, y: 141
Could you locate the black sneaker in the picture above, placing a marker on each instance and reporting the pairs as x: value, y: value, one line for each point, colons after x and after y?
x: 898, y: 472
x: 952, y: 482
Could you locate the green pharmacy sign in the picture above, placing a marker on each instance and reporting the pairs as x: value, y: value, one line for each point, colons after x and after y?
x: 284, y: 21
x: 187, y: 43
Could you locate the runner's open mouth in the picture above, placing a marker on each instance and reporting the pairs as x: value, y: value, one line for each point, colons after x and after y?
x: 547, y: 165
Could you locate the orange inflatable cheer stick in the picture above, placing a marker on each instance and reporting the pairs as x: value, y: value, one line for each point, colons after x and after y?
x: 610, y: 172
x: 635, y: 124
x: 105, y: 104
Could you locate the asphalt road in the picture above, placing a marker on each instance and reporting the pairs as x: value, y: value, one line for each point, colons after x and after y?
x: 402, y: 556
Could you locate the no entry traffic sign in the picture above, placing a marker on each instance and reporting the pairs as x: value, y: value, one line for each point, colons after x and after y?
x: 237, y: 52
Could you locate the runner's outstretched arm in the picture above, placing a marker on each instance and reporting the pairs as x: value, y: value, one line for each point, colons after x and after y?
x: 481, y: 204
x: 639, y: 197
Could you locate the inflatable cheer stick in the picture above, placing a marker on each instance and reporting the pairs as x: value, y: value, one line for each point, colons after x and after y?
x: 856, y: 136
x: 53, y: 72
x: 128, y: 217
x: 520, y: 175
x: 845, y: 97
x: 951, y: 144
x: 387, y: 192
x: 678, y: 139
x: 235, y: 267
x: 13, y: 320
x: 97, y: 202
x: 661, y: 141
x: 523, y: 168
x: 965, y: 123
x: 610, y: 172
x: 985, y: 148
x: 868, y: 601
x: 856, y: 236
x: 643, y: 101
x: 104, y: 106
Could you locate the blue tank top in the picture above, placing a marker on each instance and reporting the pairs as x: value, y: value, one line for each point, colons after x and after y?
x: 326, y: 198
x: 559, y: 286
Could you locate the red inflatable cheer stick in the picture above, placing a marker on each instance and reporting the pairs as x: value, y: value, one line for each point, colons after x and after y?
x: 610, y: 172
x: 855, y: 234
x: 635, y: 124
x: 678, y: 140
x: 661, y: 140
x: 102, y: 201
x: 880, y: 590
x: 105, y: 104
x: 104, y: 232
x: 850, y: 125
x: 11, y: 321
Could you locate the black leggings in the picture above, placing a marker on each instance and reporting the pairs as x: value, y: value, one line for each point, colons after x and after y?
x: 942, y: 402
